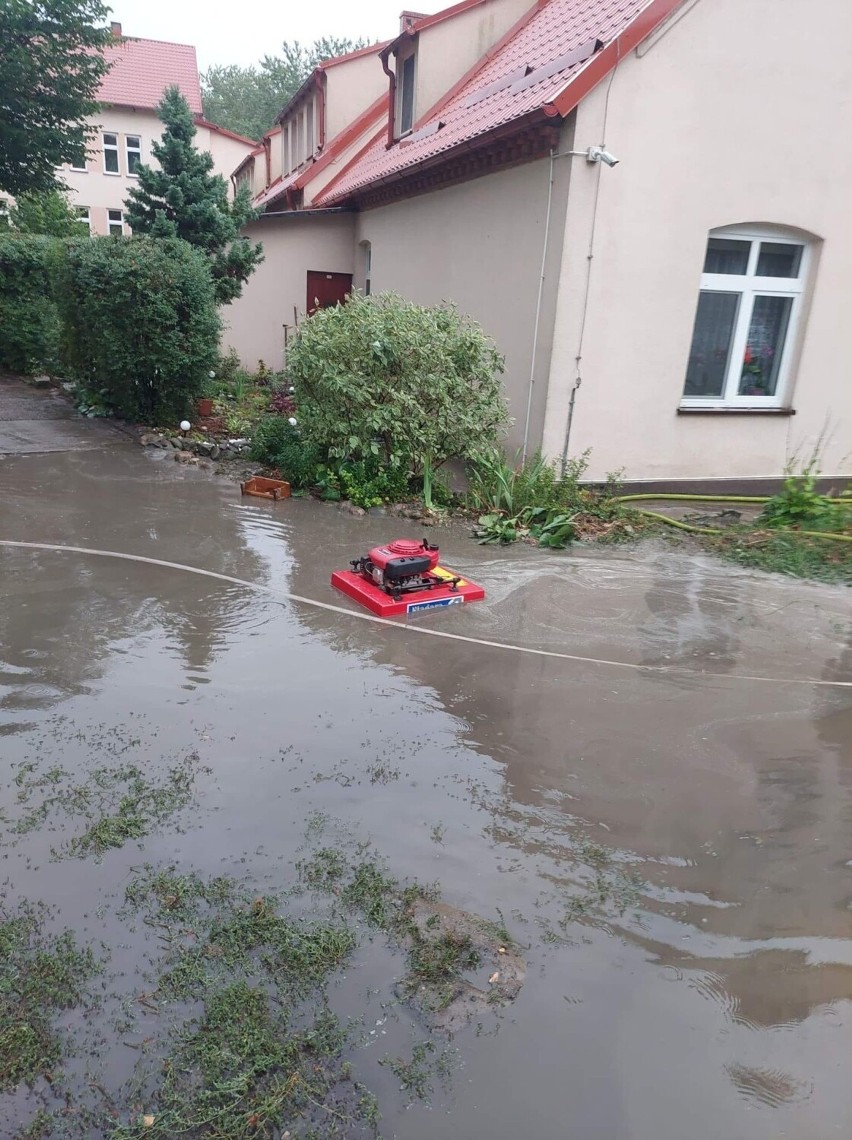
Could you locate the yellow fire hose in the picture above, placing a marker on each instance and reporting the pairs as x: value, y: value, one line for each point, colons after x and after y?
x: 844, y: 500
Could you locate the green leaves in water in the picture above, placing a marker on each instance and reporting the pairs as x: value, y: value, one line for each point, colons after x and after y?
x: 40, y: 975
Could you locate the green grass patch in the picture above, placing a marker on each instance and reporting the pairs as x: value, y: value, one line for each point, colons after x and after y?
x: 244, y: 1070
x: 264, y: 1053
x: 40, y: 975
x: 215, y: 929
x: 417, y: 1076
x: 437, y: 957
x: 786, y: 552
x: 117, y: 803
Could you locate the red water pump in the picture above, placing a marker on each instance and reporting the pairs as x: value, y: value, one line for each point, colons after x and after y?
x: 403, y: 566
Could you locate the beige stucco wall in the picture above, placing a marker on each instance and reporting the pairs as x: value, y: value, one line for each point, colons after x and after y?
x: 446, y: 50
x: 350, y: 89
x: 738, y: 114
x: 227, y: 153
x: 479, y: 245
x: 292, y: 245
x: 317, y: 184
x: 102, y: 192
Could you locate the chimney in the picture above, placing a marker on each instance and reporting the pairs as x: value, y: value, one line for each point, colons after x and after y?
x: 407, y: 19
x: 115, y: 28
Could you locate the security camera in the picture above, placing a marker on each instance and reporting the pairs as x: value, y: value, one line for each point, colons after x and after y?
x: 598, y: 154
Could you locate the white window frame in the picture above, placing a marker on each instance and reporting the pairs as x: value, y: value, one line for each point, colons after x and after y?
x: 748, y: 287
x: 401, y: 60
x: 111, y: 222
x: 368, y: 268
x: 113, y: 149
x: 129, y: 150
x: 79, y: 169
x: 84, y: 214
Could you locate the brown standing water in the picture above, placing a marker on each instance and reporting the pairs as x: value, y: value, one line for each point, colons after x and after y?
x: 716, y: 1005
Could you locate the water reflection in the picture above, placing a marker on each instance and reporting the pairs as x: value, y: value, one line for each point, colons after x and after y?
x: 726, y: 797
x: 64, y: 614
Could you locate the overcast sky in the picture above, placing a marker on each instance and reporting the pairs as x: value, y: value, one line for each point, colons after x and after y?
x: 243, y: 31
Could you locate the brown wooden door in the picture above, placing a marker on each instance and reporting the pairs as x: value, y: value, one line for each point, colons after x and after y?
x: 327, y: 289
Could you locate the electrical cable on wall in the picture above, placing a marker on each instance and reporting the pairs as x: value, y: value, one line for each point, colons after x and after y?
x: 578, y: 378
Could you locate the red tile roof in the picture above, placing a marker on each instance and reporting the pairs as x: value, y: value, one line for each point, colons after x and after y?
x: 202, y: 122
x: 142, y: 69
x: 504, y: 86
x: 370, y: 49
x: 310, y: 80
x: 276, y: 189
x: 298, y: 179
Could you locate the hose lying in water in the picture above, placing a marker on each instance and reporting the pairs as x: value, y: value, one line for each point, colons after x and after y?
x: 693, y: 529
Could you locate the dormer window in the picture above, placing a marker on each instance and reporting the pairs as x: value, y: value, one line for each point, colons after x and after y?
x: 405, y: 93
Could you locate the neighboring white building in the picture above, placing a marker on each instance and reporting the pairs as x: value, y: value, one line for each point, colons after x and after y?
x: 128, y: 125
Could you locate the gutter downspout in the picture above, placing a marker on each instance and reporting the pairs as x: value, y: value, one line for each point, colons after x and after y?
x: 383, y: 56
x: 538, y: 308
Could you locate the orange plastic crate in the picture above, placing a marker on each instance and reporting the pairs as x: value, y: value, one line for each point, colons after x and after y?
x: 266, y: 488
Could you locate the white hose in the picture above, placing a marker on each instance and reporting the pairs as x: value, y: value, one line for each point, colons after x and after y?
x: 666, y: 670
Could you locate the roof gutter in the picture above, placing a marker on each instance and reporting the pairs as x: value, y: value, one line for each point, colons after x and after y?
x: 307, y: 213
x: 300, y: 94
x: 514, y: 126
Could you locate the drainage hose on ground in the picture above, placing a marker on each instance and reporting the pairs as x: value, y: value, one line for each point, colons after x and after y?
x: 845, y: 501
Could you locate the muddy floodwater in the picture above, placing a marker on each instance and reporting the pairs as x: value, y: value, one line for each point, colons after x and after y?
x: 660, y: 819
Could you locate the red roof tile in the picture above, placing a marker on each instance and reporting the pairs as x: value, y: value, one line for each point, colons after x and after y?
x: 142, y: 69
x: 277, y: 188
x: 548, y: 32
x: 202, y: 122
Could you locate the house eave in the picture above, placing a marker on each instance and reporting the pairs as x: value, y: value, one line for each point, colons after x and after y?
x: 522, y: 140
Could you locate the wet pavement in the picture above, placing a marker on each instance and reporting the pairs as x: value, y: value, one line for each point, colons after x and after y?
x: 34, y: 420
x: 698, y: 736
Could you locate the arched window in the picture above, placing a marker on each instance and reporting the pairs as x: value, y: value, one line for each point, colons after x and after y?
x: 745, y: 324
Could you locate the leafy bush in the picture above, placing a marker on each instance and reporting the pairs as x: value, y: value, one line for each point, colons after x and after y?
x: 495, y: 485
x: 801, y: 505
x: 550, y: 526
x: 532, y: 499
x: 283, y: 403
x: 140, y: 323
x: 47, y: 212
x: 278, y: 444
x: 29, y: 324
x: 410, y: 385
x: 228, y: 366
x: 367, y: 484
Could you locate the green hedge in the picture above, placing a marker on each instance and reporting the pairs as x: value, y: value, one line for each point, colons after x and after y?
x: 29, y: 325
x: 139, y: 323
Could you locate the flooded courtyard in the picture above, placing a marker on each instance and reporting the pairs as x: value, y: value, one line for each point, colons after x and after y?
x: 633, y: 765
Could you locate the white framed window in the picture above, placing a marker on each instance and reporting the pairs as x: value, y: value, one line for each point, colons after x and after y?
x: 367, y: 253
x: 285, y: 149
x: 404, y: 111
x: 133, y: 149
x: 115, y: 222
x: 745, y: 323
x: 79, y: 164
x: 84, y: 217
x: 299, y: 156
x: 309, y: 129
x: 110, y: 146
